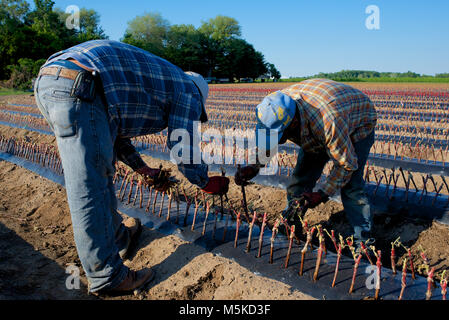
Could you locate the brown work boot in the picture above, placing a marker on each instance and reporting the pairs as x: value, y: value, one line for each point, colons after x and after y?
x: 135, y: 229
x: 134, y: 280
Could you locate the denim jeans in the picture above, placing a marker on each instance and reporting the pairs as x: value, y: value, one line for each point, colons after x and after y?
x: 308, y: 170
x: 86, y: 149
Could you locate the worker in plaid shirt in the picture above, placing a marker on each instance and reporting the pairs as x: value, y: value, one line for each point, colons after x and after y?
x: 96, y: 96
x: 329, y: 121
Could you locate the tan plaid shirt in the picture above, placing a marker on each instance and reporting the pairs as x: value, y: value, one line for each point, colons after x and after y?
x: 333, y: 116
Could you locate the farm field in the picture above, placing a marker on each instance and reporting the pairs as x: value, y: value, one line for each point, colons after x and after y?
x: 412, y: 134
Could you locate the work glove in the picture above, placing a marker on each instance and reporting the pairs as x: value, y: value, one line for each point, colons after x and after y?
x: 313, y: 199
x: 217, y: 185
x: 244, y: 174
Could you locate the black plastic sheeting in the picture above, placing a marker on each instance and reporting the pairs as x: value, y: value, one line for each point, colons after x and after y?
x: 26, y: 127
x: 224, y: 246
x: 23, y: 113
x: 427, y: 208
x: 414, y: 165
x: 385, y: 161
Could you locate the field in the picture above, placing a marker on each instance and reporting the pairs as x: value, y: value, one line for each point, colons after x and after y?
x: 407, y: 179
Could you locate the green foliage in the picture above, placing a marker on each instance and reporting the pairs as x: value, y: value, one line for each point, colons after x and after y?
x: 188, y: 48
x: 89, y: 25
x: 148, y: 32
x: 37, y: 34
x: 239, y: 59
x: 8, y: 92
x: 23, y: 72
x: 273, y: 72
x: 374, y: 76
x: 215, y: 49
x: 221, y: 28
x: 353, y: 75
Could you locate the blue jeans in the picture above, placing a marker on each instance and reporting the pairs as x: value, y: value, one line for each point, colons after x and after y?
x: 86, y: 148
x: 308, y: 170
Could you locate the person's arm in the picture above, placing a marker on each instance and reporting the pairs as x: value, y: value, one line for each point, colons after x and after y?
x: 128, y: 154
x: 341, y: 150
x: 184, y: 114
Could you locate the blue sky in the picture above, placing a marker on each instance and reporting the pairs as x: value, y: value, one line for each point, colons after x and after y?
x: 304, y: 37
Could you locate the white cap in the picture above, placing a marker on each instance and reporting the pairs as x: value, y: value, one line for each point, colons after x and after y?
x: 200, y: 83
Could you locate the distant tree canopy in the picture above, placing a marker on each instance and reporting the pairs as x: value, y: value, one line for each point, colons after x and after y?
x: 27, y: 37
x: 215, y: 49
x: 351, y: 75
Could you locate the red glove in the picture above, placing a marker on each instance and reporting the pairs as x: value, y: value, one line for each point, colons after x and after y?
x: 217, y: 185
x: 313, y: 199
x: 243, y: 175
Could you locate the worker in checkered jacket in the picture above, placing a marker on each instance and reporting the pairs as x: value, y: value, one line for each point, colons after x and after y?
x: 95, y: 97
x: 330, y: 121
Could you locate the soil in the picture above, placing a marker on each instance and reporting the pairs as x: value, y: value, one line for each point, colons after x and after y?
x: 36, y: 246
x: 36, y: 242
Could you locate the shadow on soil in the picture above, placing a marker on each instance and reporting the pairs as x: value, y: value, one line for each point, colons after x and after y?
x: 26, y: 274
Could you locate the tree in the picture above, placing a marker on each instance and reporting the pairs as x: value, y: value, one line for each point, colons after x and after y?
x: 15, y: 35
x: 240, y: 60
x: 89, y: 25
x: 148, y: 32
x: 14, y: 9
x: 23, y: 72
x: 221, y: 28
x: 187, y: 48
x: 273, y: 72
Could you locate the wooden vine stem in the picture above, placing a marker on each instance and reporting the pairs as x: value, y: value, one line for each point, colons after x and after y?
x: 319, y: 254
x: 250, y: 232
x: 177, y: 206
x: 195, y: 212
x: 404, y: 278
x: 147, y: 209
x: 304, y: 250
x: 170, y: 198
x: 162, y: 205
x: 237, y: 230
x: 430, y: 275
x: 264, y: 222
x: 412, y: 267
x: 443, y: 284
x: 273, y: 236
x: 378, y: 275
x: 354, y: 273
x: 337, y: 265
x: 365, y: 251
x: 290, y: 243
x: 154, y: 202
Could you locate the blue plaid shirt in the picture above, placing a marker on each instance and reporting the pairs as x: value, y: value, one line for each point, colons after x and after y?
x: 144, y: 94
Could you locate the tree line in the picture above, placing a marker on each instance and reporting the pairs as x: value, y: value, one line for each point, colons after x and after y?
x: 215, y: 49
x: 360, y: 75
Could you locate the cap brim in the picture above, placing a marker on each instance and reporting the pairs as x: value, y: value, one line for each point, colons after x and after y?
x: 263, y: 133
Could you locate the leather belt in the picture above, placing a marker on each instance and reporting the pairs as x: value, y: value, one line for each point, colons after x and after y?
x: 65, y: 73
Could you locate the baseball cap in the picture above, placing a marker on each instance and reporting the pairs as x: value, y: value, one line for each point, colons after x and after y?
x: 274, y: 114
x: 199, y: 81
